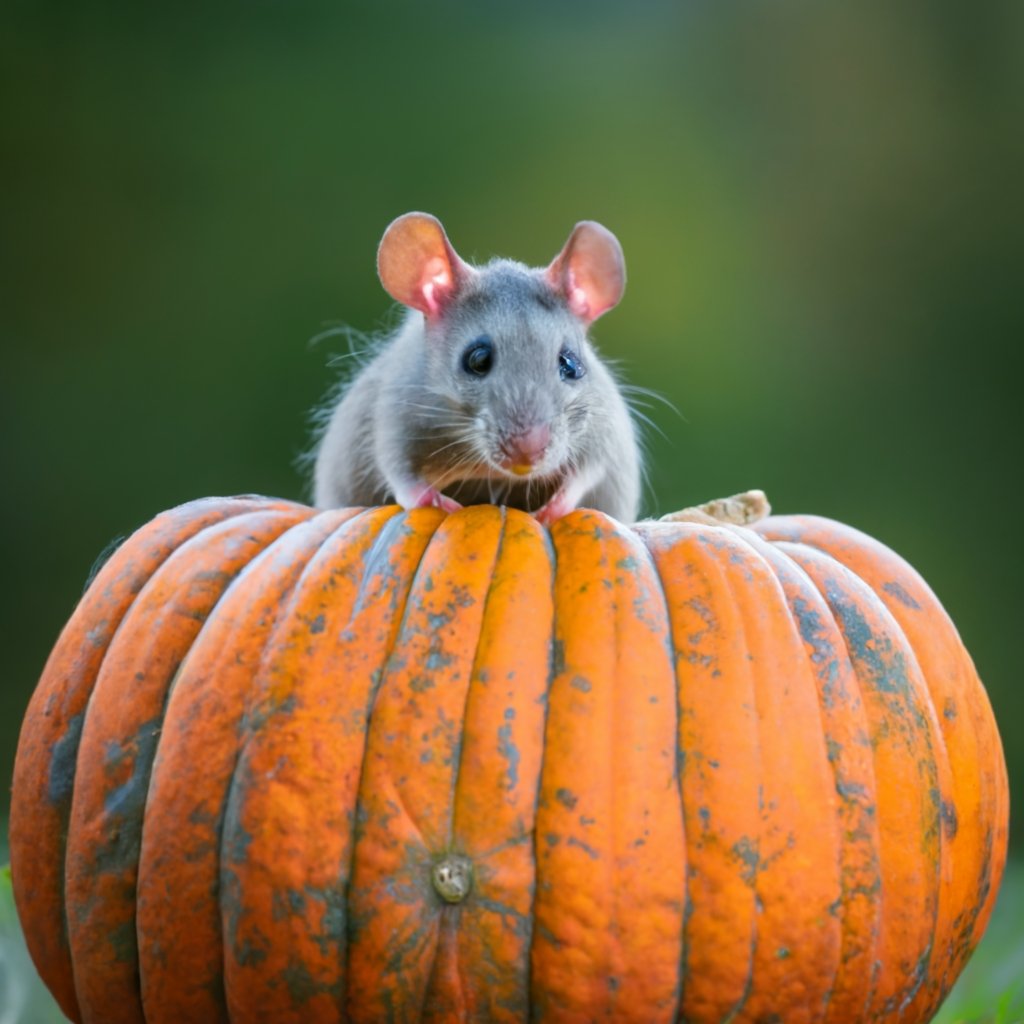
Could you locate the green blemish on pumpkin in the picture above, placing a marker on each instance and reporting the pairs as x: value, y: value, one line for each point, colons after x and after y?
x: 437, y: 660
x: 266, y: 709
x: 508, y: 750
x: 124, y: 942
x: 849, y: 790
x: 566, y: 798
x: 896, y: 590
x: 747, y: 852
x: 885, y: 664
x: 557, y: 657
x: 950, y: 822
x: 587, y: 849
x: 63, y: 755
x: 581, y: 684
x: 519, y: 922
x: 302, y: 986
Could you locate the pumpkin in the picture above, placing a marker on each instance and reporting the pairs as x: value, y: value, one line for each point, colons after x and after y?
x: 366, y: 765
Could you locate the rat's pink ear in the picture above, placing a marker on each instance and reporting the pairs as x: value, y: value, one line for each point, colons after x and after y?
x: 590, y: 271
x: 417, y: 264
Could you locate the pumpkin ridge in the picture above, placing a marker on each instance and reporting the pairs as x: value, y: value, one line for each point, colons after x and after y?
x: 893, y: 599
x: 224, y: 876
x: 689, y: 575
x: 192, y: 775
x: 391, y: 660
x: 86, y: 951
x: 766, y: 556
x: 128, y: 567
x: 941, y: 921
x: 457, y: 774
x: 554, y: 655
x: 754, y: 863
x: 838, y: 585
x: 396, y: 632
x: 449, y: 915
x: 980, y: 765
x: 779, y: 558
x: 609, y: 908
x: 655, y: 574
x: 270, y: 701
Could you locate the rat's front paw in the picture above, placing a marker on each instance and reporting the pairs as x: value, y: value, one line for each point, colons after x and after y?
x: 559, y: 505
x: 431, y: 497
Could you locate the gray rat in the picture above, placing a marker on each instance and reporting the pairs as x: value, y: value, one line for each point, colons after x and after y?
x: 490, y: 391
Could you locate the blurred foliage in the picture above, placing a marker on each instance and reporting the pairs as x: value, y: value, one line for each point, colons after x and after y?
x: 820, y: 205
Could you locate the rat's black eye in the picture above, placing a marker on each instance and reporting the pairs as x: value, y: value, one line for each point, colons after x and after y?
x: 570, y: 366
x: 478, y: 357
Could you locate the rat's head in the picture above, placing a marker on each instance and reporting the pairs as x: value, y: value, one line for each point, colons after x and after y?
x: 507, y: 345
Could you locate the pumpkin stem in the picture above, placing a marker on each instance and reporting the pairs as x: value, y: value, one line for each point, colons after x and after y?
x: 737, y: 510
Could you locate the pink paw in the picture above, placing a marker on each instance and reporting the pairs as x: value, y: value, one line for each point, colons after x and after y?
x: 431, y: 497
x: 557, y: 507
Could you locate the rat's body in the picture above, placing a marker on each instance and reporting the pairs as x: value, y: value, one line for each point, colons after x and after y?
x: 490, y: 392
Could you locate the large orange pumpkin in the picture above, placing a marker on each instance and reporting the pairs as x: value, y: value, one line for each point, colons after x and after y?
x: 287, y: 765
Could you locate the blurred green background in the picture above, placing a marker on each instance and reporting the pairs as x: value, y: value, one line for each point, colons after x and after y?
x: 820, y: 203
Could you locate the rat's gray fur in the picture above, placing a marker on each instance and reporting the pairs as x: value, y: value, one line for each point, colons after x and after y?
x: 412, y: 411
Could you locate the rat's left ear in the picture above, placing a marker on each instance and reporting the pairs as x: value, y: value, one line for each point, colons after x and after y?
x: 589, y: 271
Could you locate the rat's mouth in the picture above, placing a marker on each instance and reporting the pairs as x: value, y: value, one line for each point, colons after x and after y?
x: 520, y: 468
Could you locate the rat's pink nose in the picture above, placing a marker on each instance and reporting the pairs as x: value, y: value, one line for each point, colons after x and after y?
x: 526, y: 448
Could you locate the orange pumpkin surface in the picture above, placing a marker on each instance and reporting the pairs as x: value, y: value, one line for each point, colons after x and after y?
x: 367, y: 765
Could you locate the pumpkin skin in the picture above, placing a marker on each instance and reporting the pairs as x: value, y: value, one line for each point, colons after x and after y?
x: 699, y: 773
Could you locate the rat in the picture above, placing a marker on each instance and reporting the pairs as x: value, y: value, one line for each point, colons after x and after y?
x: 490, y: 391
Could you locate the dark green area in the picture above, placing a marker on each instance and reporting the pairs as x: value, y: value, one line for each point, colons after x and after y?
x: 820, y: 206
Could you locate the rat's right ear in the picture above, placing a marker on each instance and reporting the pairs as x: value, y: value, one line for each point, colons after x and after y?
x: 417, y: 264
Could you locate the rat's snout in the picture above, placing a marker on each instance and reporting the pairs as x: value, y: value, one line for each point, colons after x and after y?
x: 522, y: 451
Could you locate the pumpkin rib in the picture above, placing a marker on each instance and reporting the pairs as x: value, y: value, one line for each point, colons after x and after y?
x: 925, y: 998
x: 608, y: 913
x: 385, y: 662
x: 758, y: 771
x: 179, y: 865
x: 408, y: 762
x: 47, y: 751
x: 444, y: 968
x: 795, y: 779
x: 484, y: 940
x: 648, y: 538
x: 553, y: 656
x: 856, y: 791
x: 291, y: 780
x: 118, y: 742
x: 930, y: 994
x: 688, y: 572
x: 842, y: 587
x: 751, y: 624
x: 283, y: 613
x: 980, y: 774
